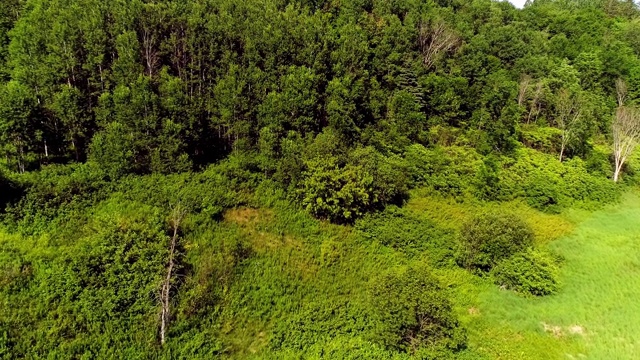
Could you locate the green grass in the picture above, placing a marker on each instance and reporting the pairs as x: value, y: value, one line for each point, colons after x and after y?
x: 595, y: 314
x: 299, y: 286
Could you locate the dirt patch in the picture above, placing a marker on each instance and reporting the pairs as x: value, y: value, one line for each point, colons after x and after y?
x: 245, y: 215
x: 474, y: 311
x: 554, y: 330
x: 558, y: 331
x: 576, y: 330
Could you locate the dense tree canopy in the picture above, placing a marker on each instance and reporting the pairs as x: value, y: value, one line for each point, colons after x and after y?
x: 161, y: 86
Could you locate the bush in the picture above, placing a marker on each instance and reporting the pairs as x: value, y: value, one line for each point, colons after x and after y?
x: 92, y: 289
x: 542, y: 194
x: 488, y: 179
x: 58, y: 195
x: 448, y: 170
x: 413, y: 313
x: 343, y: 193
x: 530, y: 272
x: 398, y: 228
x: 491, y: 237
x: 549, y: 185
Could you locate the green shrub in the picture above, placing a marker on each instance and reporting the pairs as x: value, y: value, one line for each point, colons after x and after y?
x: 398, y: 228
x: 491, y: 237
x: 488, y: 179
x: 338, y: 194
x: 541, y: 138
x: 58, y: 194
x: 549, y: 185
x: 345, y: 192
x: 542, y: 194
x: 413, y: 314
x: 86, y: 292
x: 529, y: 272
x: 448, y: 170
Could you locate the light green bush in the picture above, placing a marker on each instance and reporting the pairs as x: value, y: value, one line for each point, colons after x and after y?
x: 530, y: 272
x: 490, y: 237
x: 413, y: 313
x: 343, y: 193
x: 448, y: 170
x: 550, y: 185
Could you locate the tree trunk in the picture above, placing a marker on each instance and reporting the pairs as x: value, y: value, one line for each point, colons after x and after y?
x: 617, y: 171
x: 177, y: 215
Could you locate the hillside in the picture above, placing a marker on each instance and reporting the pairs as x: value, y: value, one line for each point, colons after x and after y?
x: 339, y: 179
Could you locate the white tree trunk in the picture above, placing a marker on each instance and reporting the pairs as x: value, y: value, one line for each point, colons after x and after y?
x: 177, y: 215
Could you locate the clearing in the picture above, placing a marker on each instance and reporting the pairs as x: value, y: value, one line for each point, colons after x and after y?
x: 595, y: 314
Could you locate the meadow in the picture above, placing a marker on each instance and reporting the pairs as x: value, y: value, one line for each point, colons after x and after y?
x: 593, y: 316
x: 260, y: 278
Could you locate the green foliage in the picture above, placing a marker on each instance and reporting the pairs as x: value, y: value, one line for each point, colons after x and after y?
x: 541, y: 138
x: 134, y: 78
x: 549, y: 185
x: 104, y: 282
x: 344, y: 193
x: 258, y: 117
x: 113, y: 150
x: 339, y: 194
x: 491, y: 237
x: 450, y: 170
x: 56, y: 194
x: 401, y: 230
x: 531, y: 273
x: 488, y: 179
x: 18, y: 130
x: 413, y: 313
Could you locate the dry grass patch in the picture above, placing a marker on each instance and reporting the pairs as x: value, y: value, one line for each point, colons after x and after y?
x: 247, y: 216
x: 451, y: 214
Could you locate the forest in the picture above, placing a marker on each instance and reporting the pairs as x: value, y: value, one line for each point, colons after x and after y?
x: 319, y: 179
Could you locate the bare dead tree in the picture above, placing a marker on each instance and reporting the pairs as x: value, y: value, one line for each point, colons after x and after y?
x: 151, y: 32
x: 435, y: 39
x: 523, y: 88
x: 177, y: 215
x: 534, y: 108
x: 626, y: 132
x: 568, y: 111
x: 150, y: 53
x: 621, y: 91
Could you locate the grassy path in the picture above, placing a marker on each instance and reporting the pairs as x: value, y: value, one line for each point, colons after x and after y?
x: 596, y: 314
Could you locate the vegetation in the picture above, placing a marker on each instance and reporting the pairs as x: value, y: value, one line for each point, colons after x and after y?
x: 490, y: 238
x: 590, y: 314
x: 317, y: 179
x: 414, y: 315
x: 529, y: 272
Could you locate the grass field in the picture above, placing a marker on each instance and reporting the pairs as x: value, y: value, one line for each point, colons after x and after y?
x: 596, y: 313
x: 593, y: 316
x: 303, y: 290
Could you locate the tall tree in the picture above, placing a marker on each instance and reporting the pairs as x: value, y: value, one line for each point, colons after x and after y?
x: 19, y: 133
x: 568, y: 116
